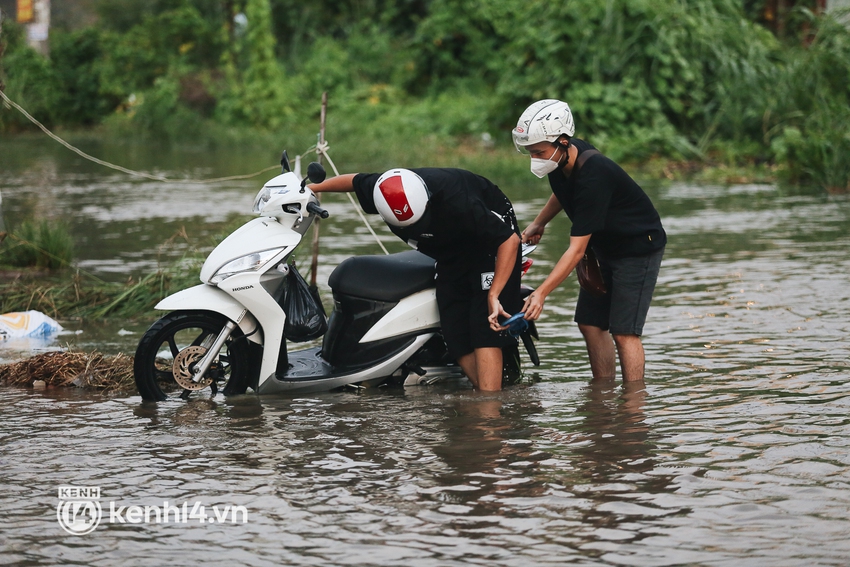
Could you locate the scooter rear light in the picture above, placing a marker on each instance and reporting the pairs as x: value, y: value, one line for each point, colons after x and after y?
x: 526, y: 264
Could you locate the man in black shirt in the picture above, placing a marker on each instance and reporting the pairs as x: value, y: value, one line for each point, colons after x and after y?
x: 612, y: 216
x: 467, y: 225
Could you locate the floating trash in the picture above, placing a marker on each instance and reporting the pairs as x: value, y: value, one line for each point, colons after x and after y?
x: 27, y: 324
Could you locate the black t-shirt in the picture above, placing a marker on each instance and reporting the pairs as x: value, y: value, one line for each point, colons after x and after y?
x: 603, y: 200
x: 467, y: 217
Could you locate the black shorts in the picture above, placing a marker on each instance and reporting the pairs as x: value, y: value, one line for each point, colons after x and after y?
x: 630, y: 282
x: 462, y: 301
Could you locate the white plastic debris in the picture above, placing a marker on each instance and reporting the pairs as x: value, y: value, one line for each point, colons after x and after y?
x: 28, y: 324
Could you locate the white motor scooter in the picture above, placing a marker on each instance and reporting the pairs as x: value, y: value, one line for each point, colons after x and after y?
x: 229, y: 331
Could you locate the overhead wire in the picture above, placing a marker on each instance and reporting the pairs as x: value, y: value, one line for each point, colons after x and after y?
x: 322, y: 148
x: 319, y: 148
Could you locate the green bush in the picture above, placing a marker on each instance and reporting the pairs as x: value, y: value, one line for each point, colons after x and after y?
x: 687, y: 60
x: 30, y: 80
x: 807, y: 122
x: 256, y: 93
x: 817, y: 150
x: 86, y: 93
x: 159, y: 112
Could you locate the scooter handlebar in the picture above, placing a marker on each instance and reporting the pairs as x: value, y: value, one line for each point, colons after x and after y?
x: 315, y: 209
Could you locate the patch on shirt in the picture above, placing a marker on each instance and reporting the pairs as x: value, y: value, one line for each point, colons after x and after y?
x: 487, y: 280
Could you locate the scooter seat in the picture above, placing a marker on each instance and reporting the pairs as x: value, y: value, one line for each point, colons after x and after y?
x: 385, y: 278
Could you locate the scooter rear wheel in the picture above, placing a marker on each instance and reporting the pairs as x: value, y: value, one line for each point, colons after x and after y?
x: 189, y: 332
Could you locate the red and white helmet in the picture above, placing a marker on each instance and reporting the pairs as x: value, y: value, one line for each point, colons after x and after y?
x: 401, y: 197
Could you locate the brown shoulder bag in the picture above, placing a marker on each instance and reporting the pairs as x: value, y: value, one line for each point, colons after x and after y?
x: 588, y: 271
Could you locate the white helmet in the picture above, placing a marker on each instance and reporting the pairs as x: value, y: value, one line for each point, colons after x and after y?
x: 544, y: 121
x: 401, y: 197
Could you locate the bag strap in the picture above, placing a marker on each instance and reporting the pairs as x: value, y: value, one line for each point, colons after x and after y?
x: 585, y: 155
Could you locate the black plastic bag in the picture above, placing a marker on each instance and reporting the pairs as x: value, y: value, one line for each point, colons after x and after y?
x: 305, y: 315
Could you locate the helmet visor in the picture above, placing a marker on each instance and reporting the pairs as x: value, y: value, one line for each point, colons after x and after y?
x: 520, y: 141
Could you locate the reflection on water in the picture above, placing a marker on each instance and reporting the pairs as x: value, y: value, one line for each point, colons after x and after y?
x: 735, y: 452
x: 551, y: 473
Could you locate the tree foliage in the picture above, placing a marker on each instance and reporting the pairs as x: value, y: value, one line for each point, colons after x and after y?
x: 684, y: 78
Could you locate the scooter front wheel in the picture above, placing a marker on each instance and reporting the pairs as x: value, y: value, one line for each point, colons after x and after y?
x: 169, y: 349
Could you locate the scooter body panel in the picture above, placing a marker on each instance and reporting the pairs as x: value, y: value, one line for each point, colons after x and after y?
x: 268, y: 231
x: 414, y: 313
x: 248, y: 290
x: 210, y: 298
x: 251, y: 288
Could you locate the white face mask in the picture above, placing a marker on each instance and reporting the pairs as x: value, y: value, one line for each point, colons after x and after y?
x: 543, y: 167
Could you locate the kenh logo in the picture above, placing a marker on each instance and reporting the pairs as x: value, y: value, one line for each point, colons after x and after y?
x: 78, y: 510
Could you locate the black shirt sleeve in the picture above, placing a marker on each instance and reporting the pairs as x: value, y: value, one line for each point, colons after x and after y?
x: 364, y: 188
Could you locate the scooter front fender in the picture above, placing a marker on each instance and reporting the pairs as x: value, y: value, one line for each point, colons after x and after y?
x: 210, y: 298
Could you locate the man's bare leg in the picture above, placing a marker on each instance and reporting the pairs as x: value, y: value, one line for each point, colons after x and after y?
x: 470, y: 368
x: 483, y: 367
x: 600, y: 351
x: 632, y: 357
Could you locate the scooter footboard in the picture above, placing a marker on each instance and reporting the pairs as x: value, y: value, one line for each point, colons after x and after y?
x: 309, y: 372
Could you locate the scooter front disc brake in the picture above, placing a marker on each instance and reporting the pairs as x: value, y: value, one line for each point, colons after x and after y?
x: 184, y: 368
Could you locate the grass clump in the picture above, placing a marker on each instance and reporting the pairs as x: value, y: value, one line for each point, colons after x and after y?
x: 38, y: 244
x: 90, y: 298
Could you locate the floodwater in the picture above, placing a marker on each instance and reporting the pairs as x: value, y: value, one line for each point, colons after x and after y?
x: 736, y: 451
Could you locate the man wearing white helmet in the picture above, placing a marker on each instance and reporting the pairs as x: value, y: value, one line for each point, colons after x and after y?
x: 611, y: 215
x: 468, y: 226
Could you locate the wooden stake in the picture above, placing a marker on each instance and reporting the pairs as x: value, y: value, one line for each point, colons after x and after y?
x: 314, y: 264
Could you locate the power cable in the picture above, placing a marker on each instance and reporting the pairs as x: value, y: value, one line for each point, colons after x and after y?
x: 320, y: 148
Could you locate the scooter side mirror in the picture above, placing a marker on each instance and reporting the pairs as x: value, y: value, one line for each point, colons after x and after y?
x: 284, y: 163
x: 315, y: 172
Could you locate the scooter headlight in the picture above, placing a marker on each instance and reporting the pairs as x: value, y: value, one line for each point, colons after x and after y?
x: 261, y: 199
x: 249, y: 263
